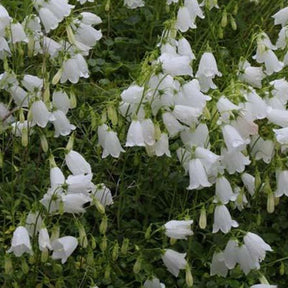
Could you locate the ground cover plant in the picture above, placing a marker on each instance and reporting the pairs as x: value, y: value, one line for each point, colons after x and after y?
x: 143, y: 143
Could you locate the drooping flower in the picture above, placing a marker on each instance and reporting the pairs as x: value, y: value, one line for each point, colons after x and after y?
x: 224, y: 190
x: 218, y: 266
x: 263, y: 286
x: 198, y: 176
x: 64, y: 247
x: 223, y: 220
x: 20, y: 242
x: 153, y: 283
x: 133, y: 4
x: 135, y: 135
x: 281, y: 17
x: 174, y: 261
x: 109, y: 141
x: 44, y: 240
x: 77, y: 164
x: 40, y: 113
x: 33, y: 222
x: 256, y: 246
x: 178, y: 229
x: 103, y: 194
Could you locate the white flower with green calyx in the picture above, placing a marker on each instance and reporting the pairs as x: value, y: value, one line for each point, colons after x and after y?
x: 64, y: 247
x: 178, y: 229
x: 174, y: 261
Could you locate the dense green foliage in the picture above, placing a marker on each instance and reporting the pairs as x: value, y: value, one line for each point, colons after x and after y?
x: 148, y: 191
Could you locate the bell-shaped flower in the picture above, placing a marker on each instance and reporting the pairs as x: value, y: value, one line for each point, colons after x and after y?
x: 251, y: 75
x: 230, y: 254
x: 74, y: 68
x: 51, y: 47
x: 171, y: 123
x: 44, y: 240
x: 153, y: 283
x: 4, y: 48
x: 109, y: 141
x: 73, y: 203
x: 61, y: 101
x: 178, y: 229
x: 282, y: 183
x: 40, y: 113
x: 245, y: 260
x: 32, y: 83
x: 187, y: 115
x: 249, y: 182
x: 176, y: 65
x: 233, y: 139
x: 135, y: 135
x: 234, y: 161
x: 184, y: 48
x: 282, y: 38
x: 256, y: 246
x: 263, y: 286
x: 103, y: 194
x: 281, y: 17
x: 161, y: 147
x: 148, y: 131
x: 278, y: 117
x: 192, y: 96
x: 77, y: 164
x: 80, y: 184
x: 61, y: 123
x: 19, y: 95
x: 218, y: 266
x: 17, y: 33
x: 280, y: 89
x: 197, y: 137
x: 184, y: 20
x: 4, y: 19
x: 64, y: 247
x: 174, y: 261
x: 133, y: 94
x: 223, y: 220
x: 87, y: 35
x: 226, y: 108
x: 223, y: 190
x: 49, y: 20
x: 197, y: 174
x: 133, y: 4
x: 281, y: 135
x: 84, y: 1
x: 89, y: 18
x: 20, y: 242
x: 262, y: 149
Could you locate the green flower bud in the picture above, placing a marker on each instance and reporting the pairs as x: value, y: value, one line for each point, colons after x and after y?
x: 125, y: 246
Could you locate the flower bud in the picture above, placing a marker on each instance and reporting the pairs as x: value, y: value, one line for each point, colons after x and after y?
x: 233, y: 23
x: 44, y: 143
x: 70, y: 34
x: 83, y: 241
x: 55, y: 233
x: 270, y: 203
x: 115, y: 251
x: 203, y: 218
x: 125, y: 246
x: 107, y: 6
x: 70, y: 143
x: 224, y: 19
x: 93, y: 242
x: 107, y: 272
x: 103, y: 244
x: 57, y: 77
x: 1, y: 159
x: 73, y: 100
x: 148, y: 232
x: 112, y: 115
x: 44, y: 255
x: 31, y: 45
x: 8, y: 267
x: 24, y: 137
x: 99, y: 206
x: 24, y: 266
x: 90, y: 258
x: 189, y: 277
x: 137, y: 266
x: 103, y: 225
x: 282, y: 269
